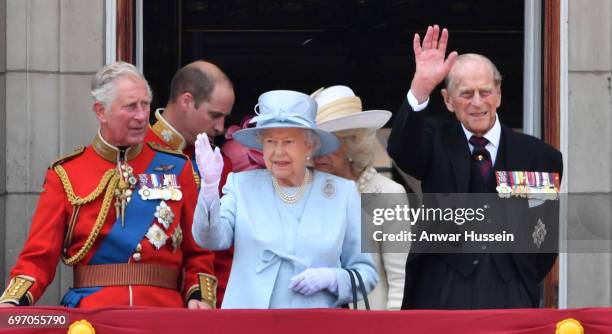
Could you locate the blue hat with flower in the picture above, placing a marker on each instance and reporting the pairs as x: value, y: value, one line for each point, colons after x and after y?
x: 286, y: 109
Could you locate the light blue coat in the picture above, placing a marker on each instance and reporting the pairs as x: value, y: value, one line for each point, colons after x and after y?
x: 328, y: 235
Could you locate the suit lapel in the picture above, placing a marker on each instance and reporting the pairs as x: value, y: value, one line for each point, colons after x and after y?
x: 508, y: 155
x: 459, y: 155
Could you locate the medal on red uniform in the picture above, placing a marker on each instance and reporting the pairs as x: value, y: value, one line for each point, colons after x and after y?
x: 159, y: 186
x: 164, y: 214
x: 177, y: 238
x: 157, y: 237
x: 123, y: 192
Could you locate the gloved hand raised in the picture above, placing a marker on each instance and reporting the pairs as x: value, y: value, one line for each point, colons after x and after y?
x: 313, y: 280
x: 210, y: 163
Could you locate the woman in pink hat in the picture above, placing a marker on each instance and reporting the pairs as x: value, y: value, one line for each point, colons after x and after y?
x: 242, y: 157
x: 340, y: 112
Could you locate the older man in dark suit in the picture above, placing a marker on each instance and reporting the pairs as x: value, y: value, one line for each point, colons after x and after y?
x: 461, y: 157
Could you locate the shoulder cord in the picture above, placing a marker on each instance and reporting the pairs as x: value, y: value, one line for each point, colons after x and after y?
x: 108, y: 181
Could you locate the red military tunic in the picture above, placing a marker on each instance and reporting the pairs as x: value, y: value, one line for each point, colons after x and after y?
x: 163, y: 133
x: 35, y: 267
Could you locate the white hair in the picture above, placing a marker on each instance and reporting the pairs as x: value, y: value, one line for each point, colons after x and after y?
x: 103, y: 84
x: 311, y: 137
x: 449, y: 82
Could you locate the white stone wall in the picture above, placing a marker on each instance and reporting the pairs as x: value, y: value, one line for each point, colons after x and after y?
x: 590, y: 135
x: 49, y: 51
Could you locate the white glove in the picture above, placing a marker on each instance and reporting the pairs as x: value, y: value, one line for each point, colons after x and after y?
x: 313, y: 280
x: 210, y: 164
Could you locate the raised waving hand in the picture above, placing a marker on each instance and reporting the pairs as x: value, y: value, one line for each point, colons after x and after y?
x: 432, y: 65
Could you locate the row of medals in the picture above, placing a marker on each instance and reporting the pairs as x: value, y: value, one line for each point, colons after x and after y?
x: 127, y: 182
x: 165, y: 193
x: 544, y: 191
x: 123, y: 195
x: 169, y: 190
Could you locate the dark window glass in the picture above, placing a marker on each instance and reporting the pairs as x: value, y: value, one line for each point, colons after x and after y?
x: 303, y: 45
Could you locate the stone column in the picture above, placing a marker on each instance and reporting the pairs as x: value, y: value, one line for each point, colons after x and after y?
x: 52, y: 49
x: 2, y: 128
x: 590, y: 137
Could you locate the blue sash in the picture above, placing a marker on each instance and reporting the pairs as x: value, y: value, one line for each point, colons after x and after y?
x: 195, y: 165
x: 73, y: 297
x: 121, y: 242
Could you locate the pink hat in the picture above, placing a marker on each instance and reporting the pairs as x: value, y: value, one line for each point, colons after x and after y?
x: 242, y: 157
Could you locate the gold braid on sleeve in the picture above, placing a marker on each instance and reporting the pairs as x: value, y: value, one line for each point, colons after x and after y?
x: 208, y: 289
x: 196, y: 177
x: 109, y: 181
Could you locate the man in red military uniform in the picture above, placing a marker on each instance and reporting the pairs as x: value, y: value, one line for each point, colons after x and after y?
x: 120, y: 212
x: 201, y: 96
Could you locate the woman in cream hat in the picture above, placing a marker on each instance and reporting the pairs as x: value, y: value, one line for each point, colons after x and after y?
x: 294, y: 230
x: 341, y: 113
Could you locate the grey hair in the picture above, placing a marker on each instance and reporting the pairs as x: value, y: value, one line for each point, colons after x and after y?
x: 473, y: 57
x: 311, y: 137
x: 103, y: 84
x: 359, y: 147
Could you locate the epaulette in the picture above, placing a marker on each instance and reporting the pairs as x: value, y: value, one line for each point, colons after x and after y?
x: 160, y: 148
x: 67, y: 157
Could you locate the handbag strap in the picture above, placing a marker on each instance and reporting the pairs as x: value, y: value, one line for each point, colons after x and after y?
x: 352, y: 272
x: 362, y: 288
x: 353, y: 287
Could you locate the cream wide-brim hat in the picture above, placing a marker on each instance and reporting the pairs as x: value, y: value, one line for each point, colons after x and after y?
x: 339, y: 109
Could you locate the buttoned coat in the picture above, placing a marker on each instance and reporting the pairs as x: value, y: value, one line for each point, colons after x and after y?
x: 251, y: 218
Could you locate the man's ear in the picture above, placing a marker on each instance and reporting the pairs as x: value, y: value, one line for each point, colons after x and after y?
x: 100, y: 111
x: 447, y: 100
x: 185, y: 100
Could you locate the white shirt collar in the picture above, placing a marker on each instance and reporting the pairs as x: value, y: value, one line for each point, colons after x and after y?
x: 493, y: 135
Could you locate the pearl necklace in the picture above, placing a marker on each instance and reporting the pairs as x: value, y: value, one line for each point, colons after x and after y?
x: 290, y: 199
x: 365, y: 178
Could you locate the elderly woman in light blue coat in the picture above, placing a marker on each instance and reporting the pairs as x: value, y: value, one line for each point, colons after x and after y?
x: 294, y: 230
